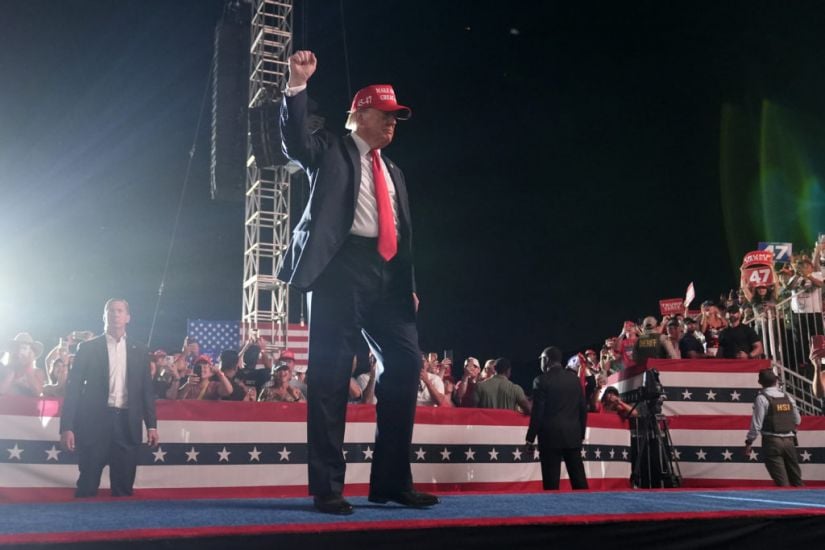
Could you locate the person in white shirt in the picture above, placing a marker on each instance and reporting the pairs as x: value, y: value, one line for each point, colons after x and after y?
x: 109, y: 395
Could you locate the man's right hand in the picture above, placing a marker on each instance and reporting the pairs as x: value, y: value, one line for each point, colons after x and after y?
x: 302, y: 65
x: 67, y: 440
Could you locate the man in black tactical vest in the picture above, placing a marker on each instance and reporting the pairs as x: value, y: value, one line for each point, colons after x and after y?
x: 776, y: 417
x: 652, y: 344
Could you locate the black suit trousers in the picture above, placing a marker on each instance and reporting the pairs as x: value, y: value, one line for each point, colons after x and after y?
x: 359, y: 295
x: 111, y: 445
x: 551, y: 467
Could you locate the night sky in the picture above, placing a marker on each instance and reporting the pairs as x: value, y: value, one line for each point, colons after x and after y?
x: 563, y: 162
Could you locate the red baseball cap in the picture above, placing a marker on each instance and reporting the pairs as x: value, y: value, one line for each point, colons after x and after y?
x: 288, y: 354
x: 381, y: 97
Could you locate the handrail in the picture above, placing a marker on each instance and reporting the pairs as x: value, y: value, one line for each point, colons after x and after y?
x: 785, y: 336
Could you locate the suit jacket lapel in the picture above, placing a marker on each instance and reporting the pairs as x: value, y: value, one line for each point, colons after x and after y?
x: 104, y: 356
x: 400, y: 193
x: 355, y: 160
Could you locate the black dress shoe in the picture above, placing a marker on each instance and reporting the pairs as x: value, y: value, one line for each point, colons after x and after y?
x: 332, y: 504
x: 412, y: 499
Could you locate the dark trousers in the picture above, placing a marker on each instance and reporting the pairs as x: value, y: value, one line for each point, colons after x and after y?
x: 359, y: 295
x: 551, y: 467
x: 781, y: 460
x: 110, y: 444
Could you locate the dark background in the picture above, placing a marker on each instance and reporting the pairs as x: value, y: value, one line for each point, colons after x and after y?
x: 563, y: 162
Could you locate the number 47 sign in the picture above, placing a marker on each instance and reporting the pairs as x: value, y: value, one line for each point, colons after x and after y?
x: 782, y: 252
x: 759, y: 276
x: 757, y: 268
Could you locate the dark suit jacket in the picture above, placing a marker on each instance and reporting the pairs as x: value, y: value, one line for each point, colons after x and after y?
x: 559, y: 415
x: 334, y: 170
x: 87, y: 391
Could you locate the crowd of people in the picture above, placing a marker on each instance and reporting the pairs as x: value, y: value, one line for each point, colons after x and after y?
x: 722, y: 328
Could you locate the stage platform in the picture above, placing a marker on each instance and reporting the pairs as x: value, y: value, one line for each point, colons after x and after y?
x: 618, y: 519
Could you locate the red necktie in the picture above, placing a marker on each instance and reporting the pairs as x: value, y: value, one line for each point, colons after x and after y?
x: 387, y: 239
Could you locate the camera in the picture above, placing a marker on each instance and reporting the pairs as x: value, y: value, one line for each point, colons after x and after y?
x: 652, y: 391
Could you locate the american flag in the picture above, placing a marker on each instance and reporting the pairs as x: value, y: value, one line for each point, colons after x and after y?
x: 216, y: 336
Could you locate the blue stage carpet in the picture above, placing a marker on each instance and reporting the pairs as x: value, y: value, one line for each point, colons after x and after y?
x: 134, y: 519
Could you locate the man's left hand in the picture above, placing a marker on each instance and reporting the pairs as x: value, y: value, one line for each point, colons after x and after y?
x: 153, y: 437
x: 415, y: 301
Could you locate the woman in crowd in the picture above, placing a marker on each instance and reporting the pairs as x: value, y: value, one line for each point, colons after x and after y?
x: 711, y: 324
x: 278, y: 388
x: 20, y: 375
x: 611, y: 402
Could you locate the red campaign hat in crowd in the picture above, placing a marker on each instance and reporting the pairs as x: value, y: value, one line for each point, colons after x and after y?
x: 203, y: 359
x: 381, y: 97
x: 158, y: 353
x: 288, y: 354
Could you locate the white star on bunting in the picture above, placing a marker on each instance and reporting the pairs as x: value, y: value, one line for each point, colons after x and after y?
x: 15, y: 452
x: 160, y: 455
x: 677, y: 453
x: 367, y: 453
x: 420, y: 454
x: 54, y: 453
x: 711, y: 395
x: 624, y: 454
x: 493, y: 454
x: 584, y: 452
x: 734, y: 395
x: 469, y: 454
x: 806, y: 456
x: 284, y: 454
x: 598, y: 454
x: 753, y: 455
x: 517, y: 454
x: 445, y: 454
x: 192, y: 455
x: 254, y: 454
x: 224, y: 455
x: 536, y: 454
x: 686, y: 395
x: 727, y: 455
x: 344, y: 452
x: 700, y: 454
x: 612, y: 453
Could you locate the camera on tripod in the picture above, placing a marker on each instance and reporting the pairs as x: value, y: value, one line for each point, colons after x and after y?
x: 653, y: 461
x: 651, y: 392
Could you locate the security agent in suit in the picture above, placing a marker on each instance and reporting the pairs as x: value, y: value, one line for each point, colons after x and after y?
x: 108, y: 396
x: 559, y: 418
x: 353, y: 290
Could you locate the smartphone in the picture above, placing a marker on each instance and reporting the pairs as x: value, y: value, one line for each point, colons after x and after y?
x: 448, y: 354
x: 817, y: 342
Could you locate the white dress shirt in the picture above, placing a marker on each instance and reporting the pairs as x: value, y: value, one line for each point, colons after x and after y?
x: 365, y: 221
x: 118, y: 395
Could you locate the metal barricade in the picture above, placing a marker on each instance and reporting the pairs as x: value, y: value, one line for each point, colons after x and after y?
x: 786, y: 337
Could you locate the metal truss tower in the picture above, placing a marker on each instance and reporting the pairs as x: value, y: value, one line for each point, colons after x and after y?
x: 266, y: 225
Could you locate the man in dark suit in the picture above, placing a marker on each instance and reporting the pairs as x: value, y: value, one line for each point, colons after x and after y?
x: 559, y: 418
x: 108, y: 398
x: 352, y: 252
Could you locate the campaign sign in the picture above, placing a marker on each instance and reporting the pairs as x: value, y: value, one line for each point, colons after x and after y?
x: 758, y: 276
x: 671, y: 306
x: 782, y: 252
x: 758, y: 257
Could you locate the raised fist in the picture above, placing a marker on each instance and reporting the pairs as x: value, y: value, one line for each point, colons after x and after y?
x: 302, y: 65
